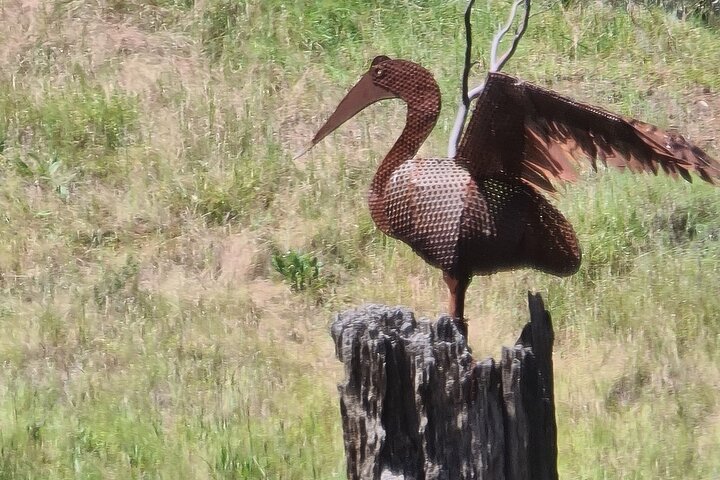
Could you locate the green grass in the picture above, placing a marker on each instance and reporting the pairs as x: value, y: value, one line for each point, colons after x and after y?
x: 152, y: 326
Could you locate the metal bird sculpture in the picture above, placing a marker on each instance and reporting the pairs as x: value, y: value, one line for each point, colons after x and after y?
x: 482, y: 211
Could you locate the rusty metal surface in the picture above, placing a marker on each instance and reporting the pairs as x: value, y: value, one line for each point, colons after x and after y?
x: 460, y: 224
x: 482, y: 211
x: 536, y: 135
x: 468, y: 226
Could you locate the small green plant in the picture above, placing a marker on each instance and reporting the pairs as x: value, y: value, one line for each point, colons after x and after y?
x: 301, y: 270
x: 48, y: 171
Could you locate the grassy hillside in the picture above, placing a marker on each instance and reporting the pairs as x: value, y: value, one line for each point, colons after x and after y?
x: 168, y: 273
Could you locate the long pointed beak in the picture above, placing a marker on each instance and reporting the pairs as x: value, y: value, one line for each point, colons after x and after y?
x: 361, y: 96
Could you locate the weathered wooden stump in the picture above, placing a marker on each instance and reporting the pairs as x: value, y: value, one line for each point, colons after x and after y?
x: 415, y: 405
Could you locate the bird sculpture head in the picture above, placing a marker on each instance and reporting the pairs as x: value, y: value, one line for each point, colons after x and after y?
x: 385, y: 79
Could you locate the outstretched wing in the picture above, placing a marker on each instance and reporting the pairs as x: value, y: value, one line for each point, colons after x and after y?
x: 528, y: 132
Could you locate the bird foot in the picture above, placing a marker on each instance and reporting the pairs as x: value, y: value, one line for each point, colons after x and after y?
x: 462, y: 325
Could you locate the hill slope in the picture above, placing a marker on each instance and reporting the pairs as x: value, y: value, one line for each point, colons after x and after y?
x: 163, y: 314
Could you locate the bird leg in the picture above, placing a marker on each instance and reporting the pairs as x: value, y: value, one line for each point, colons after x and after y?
x: 457, y: 285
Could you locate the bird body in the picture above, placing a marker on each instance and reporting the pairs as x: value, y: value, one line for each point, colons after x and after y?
x: 476, y: 226
x: 483, y: 211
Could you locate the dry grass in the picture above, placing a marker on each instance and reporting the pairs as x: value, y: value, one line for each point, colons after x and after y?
x: 147, y: 185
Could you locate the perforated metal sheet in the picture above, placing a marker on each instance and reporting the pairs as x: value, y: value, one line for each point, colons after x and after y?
x: 466, y: 226
x: 458, y: 223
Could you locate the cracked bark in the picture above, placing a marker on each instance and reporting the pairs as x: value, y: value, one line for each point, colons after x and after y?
x: 416, y: 406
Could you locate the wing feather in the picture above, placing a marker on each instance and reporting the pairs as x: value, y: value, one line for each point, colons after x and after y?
x: 526, y: 131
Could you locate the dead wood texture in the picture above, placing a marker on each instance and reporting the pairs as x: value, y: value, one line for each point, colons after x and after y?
x: 416, y: 406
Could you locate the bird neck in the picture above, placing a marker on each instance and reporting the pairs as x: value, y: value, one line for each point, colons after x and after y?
x: 418, y: 125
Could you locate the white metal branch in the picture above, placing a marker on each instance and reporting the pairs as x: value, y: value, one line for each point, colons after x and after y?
x: 495, y: 66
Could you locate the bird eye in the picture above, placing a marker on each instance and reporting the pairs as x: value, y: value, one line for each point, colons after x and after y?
x: 379, y: 72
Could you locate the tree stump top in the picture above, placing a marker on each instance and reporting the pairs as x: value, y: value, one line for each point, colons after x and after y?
x: 415, y: 404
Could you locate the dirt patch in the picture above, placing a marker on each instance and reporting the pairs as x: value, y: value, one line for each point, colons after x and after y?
x: 704, y: 106
x: 19, y: 24
x: 241, y: 259
x: 59, y: 41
